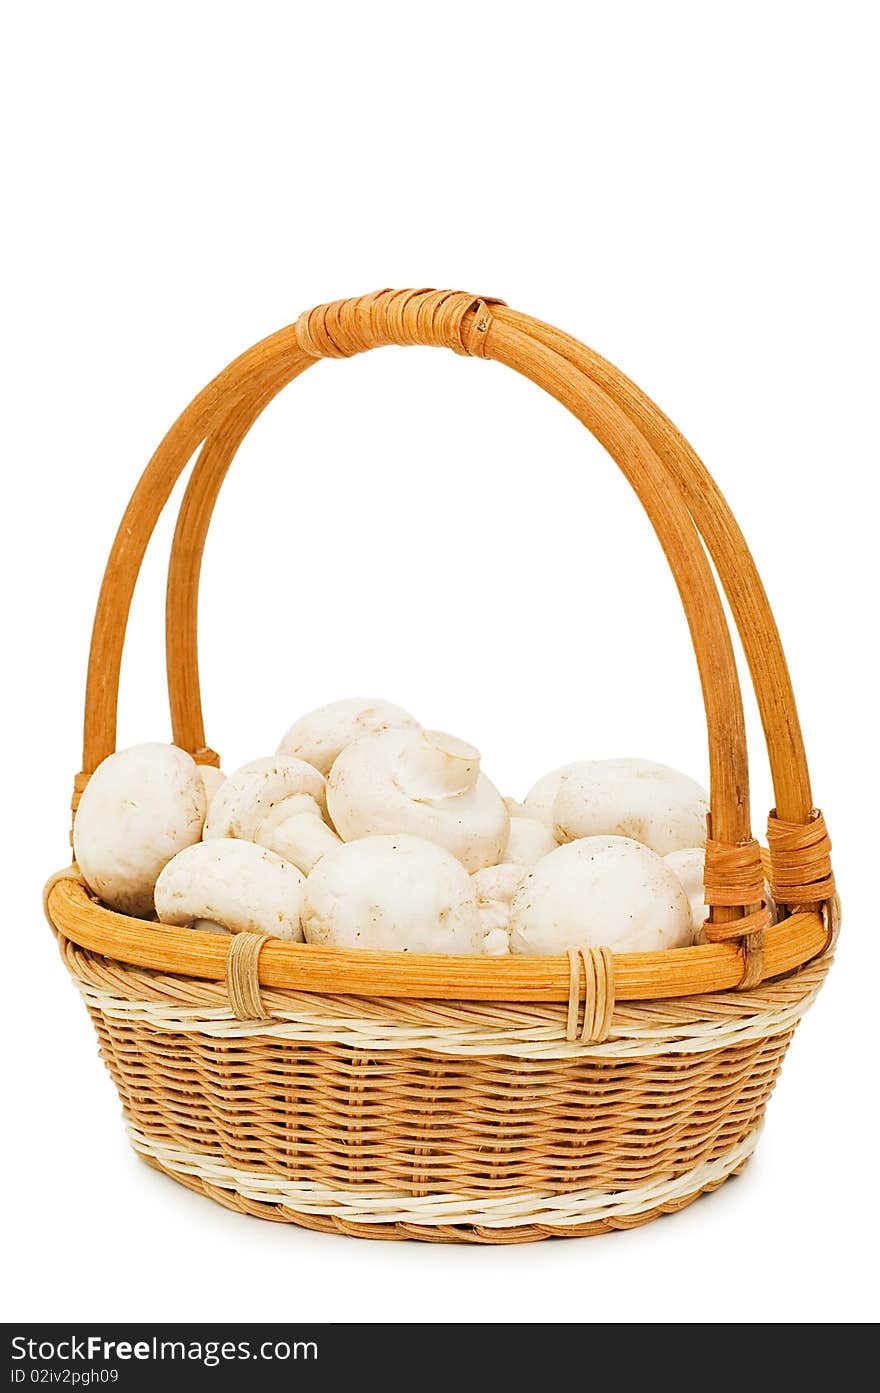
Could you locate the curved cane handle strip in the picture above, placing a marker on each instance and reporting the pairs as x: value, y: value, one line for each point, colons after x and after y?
x: 734, y: 562
x: 212, y: 404
x: 187, y: 549
x: 728, y: 763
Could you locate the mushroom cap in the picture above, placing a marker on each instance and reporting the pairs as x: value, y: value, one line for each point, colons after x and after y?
x: 239, y: 886
x: 397, y: 893
x: 650, y: 803
x: 541, y: 796
x: 424, y: 783
x: 213, y: 779
x: 140, y: 808
x: 600, y: 890
x: 689, y: 865
x: 320, y: 736
x: 253, y: 792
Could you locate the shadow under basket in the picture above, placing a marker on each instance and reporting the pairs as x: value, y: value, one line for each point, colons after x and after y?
x: 493, y: 1100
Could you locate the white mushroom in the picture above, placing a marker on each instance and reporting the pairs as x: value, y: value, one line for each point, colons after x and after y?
x: 212, y: 778
x: 140, y: 807
x: 652, y: 804
x: 600, y: 890
x: 530, y: 838
x: 398, y: 893
x: 422, y: 782
x: 321, y: 736
x: 540, y: 799
x: 252, y: 792
x: 495, y: 887
x: 277, y: 802
x: 235, y: 886
x: 689, y: 865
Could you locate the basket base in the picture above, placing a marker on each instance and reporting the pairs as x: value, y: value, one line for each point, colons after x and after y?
x: 395, y: 1230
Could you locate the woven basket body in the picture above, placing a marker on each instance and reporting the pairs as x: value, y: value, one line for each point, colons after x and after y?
x: 481, y: 1100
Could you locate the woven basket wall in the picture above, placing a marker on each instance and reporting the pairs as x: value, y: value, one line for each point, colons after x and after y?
x: 482, y: 1100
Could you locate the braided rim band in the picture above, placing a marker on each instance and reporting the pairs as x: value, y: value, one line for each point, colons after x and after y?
x: 800, y: 857
x: 471, y: 1235
x: 682, y: 1026
x: 505, y: 1211
x: 438, y: 318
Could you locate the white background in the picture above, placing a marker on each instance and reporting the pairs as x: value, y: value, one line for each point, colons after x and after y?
x: 691, y: 191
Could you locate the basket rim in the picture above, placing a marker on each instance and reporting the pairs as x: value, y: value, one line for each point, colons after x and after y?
x: 694, y: 971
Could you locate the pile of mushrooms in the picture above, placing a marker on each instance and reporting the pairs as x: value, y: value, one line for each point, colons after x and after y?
x: 365, y: 830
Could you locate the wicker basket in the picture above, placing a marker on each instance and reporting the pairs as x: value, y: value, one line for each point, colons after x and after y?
x: 484, y: 1100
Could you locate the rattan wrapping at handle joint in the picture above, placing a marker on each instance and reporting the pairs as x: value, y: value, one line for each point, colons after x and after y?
x: 734, y: 880
x: 205, y: 755
x: 733, y: 875
x: 436, y: 318
x: 598, y: 969
x: 746, y: 927
x: 243, y: 977
x: 800, y: 860
x: 79, y: 785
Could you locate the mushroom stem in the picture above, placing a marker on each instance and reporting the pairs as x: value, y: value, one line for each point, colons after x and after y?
x: 302, y: 839
x: 436, y: 765
x: 210, y: 926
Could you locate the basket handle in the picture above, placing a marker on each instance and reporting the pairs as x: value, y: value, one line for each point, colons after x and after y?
x: 221, y: 415
x: 800, y: 848
x: 731, y: 556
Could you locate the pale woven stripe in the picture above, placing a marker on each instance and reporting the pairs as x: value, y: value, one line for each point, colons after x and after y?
x: 507, y: 1211
x: 530, y: 1042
